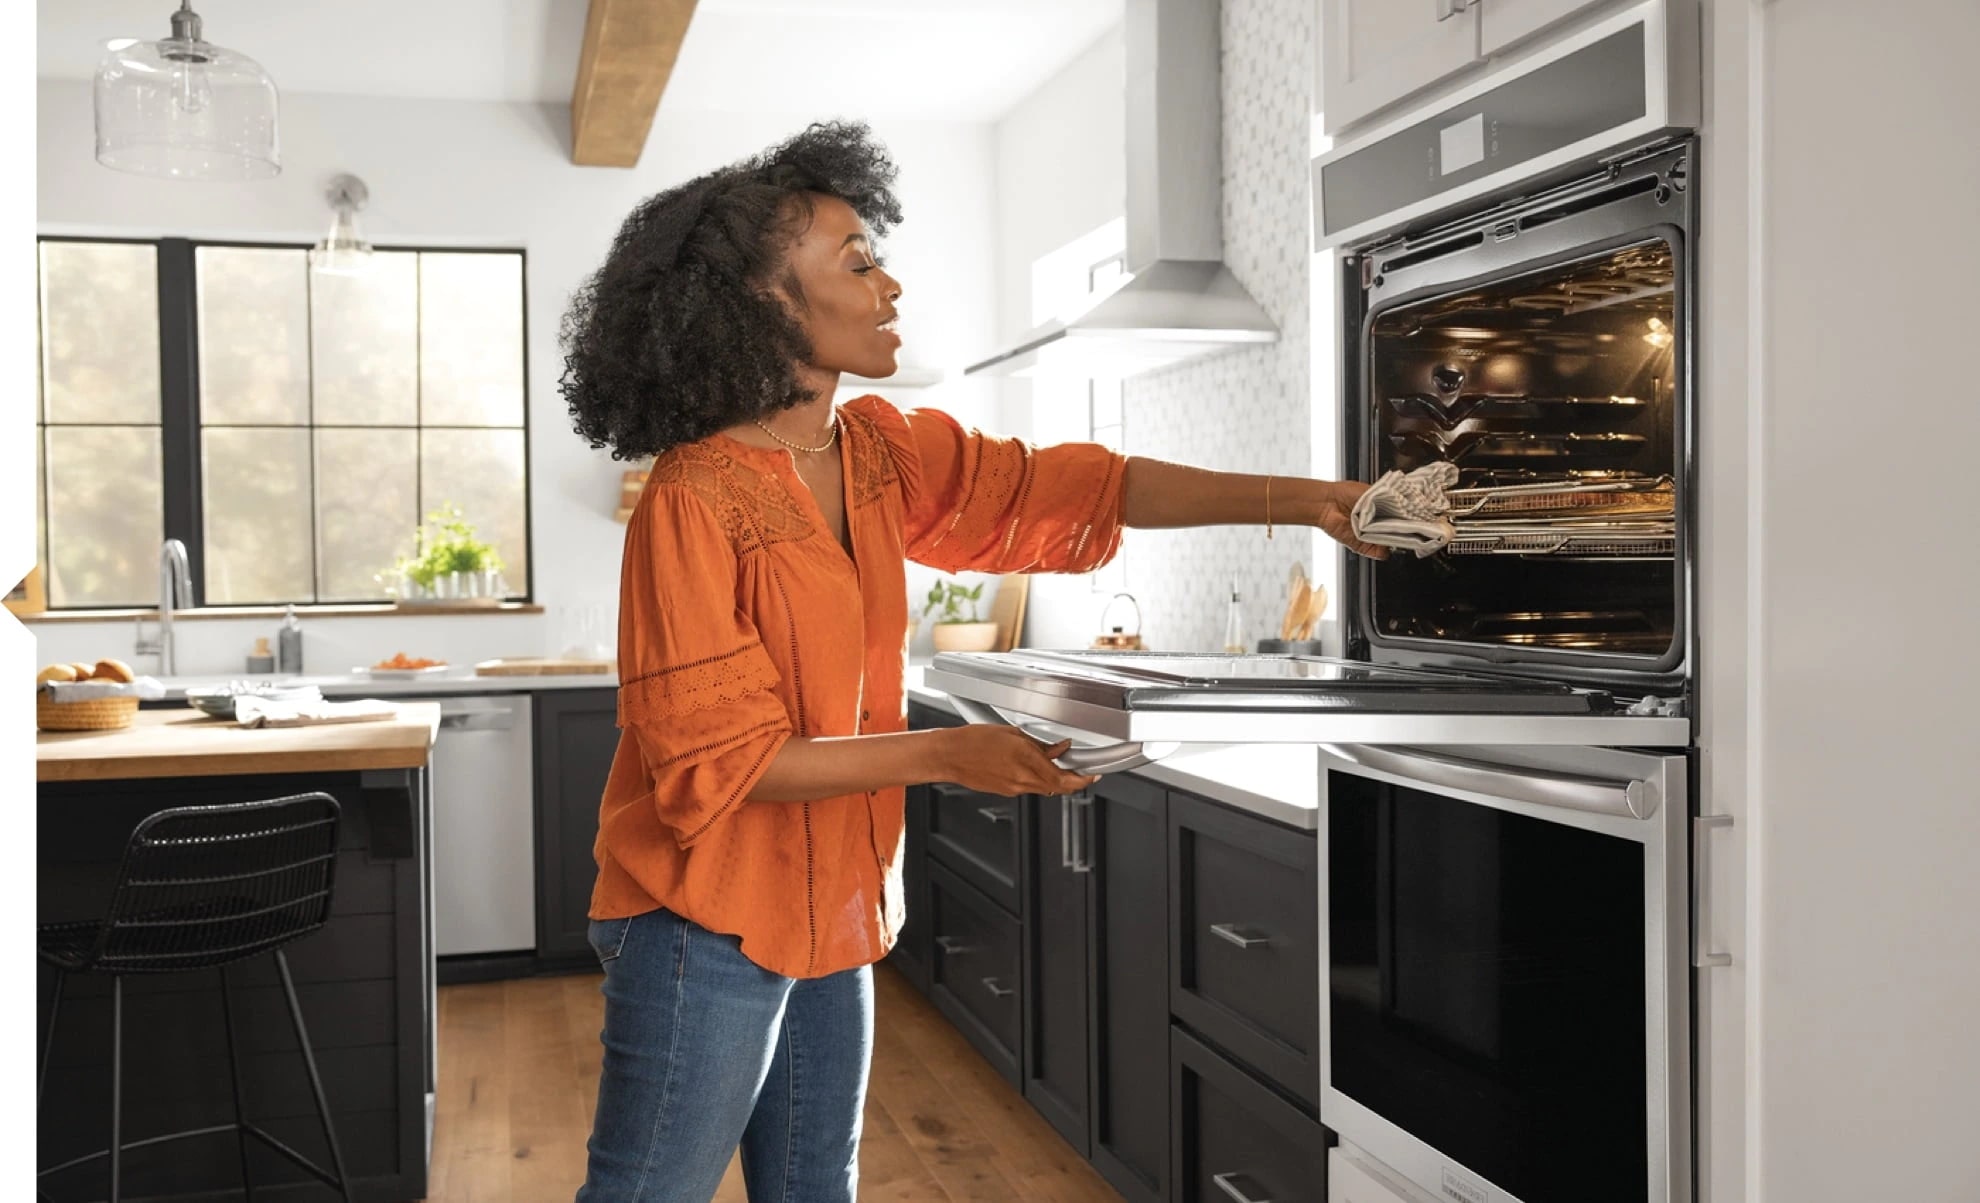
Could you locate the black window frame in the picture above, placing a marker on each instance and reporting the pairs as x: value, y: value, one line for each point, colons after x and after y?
x: 182, y: 467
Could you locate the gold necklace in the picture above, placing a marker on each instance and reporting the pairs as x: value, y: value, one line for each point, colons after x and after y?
x: 825, y: 446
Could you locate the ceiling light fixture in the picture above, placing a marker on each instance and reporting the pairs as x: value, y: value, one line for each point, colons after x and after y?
x: 342, y: 252
x: 185, y: 109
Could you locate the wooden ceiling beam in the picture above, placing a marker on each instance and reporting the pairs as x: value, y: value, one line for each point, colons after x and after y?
x: 629, y: 51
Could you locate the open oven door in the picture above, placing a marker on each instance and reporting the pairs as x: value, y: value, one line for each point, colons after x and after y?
x: 1127, y: 709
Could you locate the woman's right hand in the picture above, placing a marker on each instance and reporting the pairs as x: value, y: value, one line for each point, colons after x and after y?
x: 1004, y: 761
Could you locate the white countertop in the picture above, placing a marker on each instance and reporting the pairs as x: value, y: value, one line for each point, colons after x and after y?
x: 1280, y: 782
x: 356, y: 685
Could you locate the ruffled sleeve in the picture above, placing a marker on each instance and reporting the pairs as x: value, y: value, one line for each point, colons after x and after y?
x: 983, y: 503
x: 696, y: 687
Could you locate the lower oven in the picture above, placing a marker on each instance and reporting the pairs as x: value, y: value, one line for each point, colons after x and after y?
x: 1505, y: 970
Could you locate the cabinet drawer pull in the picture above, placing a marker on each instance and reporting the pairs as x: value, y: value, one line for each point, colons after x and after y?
x: 996, y: 988
x: 954, y: 946
x: 1228, y: 1183
x: 1229, y: 933
x: 996, y: 814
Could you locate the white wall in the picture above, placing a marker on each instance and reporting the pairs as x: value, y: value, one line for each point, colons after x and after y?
x: 444, y: 172
x: 1061, y: 174
x: 1863, y: 942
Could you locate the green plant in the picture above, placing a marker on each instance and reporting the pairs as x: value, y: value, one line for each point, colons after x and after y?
x: 447, y: 544
x: 952, y: 598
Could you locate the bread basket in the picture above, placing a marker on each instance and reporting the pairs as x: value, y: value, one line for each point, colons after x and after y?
x: 90, y: 714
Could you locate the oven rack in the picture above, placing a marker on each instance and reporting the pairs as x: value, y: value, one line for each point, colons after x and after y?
x: 1608, y: 520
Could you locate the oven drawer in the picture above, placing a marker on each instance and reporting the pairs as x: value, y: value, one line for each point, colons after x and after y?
x: 974, y: 980
x: 977, y: 836
x: 1237, y: 1141
x: 1244, y: 925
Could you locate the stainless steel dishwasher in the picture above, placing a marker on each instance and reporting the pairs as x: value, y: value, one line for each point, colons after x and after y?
x: 484, y: 826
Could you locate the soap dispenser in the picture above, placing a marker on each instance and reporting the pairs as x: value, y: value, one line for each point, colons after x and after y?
x: 288, y: 644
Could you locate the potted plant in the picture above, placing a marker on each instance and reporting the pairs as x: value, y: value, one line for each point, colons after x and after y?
x: 452, y: 565
x: 957, y: 626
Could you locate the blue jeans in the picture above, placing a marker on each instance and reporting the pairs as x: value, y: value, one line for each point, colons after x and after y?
x: 705, y: 1050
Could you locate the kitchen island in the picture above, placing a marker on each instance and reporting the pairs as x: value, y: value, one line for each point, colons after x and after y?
x: 365, y: 981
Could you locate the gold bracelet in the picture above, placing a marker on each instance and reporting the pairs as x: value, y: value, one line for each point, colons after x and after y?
x: 1268, y: 509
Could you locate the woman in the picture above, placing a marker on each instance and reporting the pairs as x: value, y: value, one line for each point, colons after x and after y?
x: 750, y: 833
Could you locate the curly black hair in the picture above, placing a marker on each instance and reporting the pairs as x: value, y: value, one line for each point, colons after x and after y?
x: 678, y: 336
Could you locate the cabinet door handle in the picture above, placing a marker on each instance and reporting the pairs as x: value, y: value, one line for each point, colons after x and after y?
x: 953, y: 946
x: 996, y: 814
x: 1702, y: 827
x: 1229, y: 1184
x: 996, y: 988
x: 1065, y: 833
x: 1081, y: 806
x: 1229, y: 933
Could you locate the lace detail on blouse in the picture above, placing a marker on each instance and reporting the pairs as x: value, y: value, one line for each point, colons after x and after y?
x: 755, y: 510
x: 874, y: 473
x: 684, y: 689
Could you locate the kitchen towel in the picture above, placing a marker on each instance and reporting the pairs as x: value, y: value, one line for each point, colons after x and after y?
x: 252, y: 711
x: 1407, y: 510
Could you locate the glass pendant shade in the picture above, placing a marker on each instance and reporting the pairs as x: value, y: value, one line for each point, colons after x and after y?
x: 342, y: 251
x: 185, y: 109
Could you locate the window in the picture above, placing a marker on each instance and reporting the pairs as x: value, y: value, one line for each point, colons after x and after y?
x: 290, y: 427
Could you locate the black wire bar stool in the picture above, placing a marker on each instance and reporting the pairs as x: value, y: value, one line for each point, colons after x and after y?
x: 204, y: 887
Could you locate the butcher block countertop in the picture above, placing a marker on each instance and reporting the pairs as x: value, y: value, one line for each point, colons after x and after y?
x: 186, y: 743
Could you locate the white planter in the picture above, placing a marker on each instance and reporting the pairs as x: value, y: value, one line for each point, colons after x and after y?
x: 965, y: 636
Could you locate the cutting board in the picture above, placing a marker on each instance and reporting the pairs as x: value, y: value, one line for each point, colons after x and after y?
x: 543, y: 667
x: 1007, y: 611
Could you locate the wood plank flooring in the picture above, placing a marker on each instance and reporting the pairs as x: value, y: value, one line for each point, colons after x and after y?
x: 519, y: 1079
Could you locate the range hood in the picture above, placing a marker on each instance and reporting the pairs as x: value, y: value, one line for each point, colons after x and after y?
x: 1181, y: 302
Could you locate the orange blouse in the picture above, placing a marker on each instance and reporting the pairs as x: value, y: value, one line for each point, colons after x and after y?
x: 743, y: 623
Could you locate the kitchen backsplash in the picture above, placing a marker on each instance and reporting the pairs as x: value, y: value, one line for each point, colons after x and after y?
x: 1246, y: 410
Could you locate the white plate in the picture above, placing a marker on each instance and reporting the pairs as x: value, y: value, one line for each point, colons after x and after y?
x: 402, y: 673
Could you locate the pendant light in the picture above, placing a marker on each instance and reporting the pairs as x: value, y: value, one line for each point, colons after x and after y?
x: 185, y: 109
x: 342, y: 252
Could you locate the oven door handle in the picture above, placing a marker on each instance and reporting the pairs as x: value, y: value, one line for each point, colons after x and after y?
x: 1597, y: 795
x: 1090, y: 761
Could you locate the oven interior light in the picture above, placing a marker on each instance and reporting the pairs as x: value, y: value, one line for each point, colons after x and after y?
x: 1660, y: 335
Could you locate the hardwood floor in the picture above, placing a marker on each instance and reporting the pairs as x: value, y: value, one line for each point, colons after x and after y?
x: 519, y: 1078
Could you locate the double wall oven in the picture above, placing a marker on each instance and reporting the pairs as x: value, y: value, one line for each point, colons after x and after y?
x: 1507, y: 741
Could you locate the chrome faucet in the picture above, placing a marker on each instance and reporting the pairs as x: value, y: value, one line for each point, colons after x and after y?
x: 174, y: 593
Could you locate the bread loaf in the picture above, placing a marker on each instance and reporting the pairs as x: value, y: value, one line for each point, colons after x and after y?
x: 113, y: 670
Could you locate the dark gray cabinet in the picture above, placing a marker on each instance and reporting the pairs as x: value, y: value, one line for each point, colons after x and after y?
x: 1097, y: 1017
x: 577, y: 735
x: 1235, y: 1140
x: 1244, y: 928
x: 1164, y: 951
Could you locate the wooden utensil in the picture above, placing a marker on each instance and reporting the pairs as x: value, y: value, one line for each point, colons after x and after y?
x: 1296, y: 603
x: 1316, y: 605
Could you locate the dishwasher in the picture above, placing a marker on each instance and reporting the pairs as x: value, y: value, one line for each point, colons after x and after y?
x: 484, y: 827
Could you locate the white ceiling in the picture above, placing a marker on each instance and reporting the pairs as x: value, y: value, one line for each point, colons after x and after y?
x: 938, y: 59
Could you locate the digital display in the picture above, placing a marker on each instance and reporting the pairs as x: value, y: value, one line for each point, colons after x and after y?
x: 1462, y: 145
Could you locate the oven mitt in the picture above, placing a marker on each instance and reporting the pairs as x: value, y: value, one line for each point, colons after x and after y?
x: 1406, y: 510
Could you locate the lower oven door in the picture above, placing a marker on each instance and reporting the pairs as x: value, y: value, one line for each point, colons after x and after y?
x: 1504, y: 972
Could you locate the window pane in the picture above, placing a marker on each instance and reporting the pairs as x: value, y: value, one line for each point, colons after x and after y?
x: 364, y: 332
x: 257, y: 516
x: 471, y: 340
x: 367, y: 507
x: 105, y: 515
x: 482, y: 472
x: 99, y: 331
x: 253, y: 336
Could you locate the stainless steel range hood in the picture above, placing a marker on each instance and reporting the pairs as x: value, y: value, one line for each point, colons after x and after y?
x: 1181, y: 302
